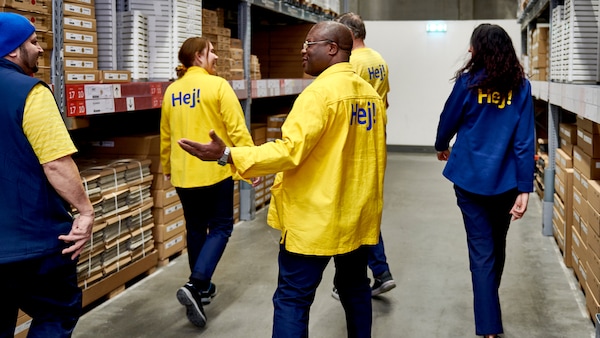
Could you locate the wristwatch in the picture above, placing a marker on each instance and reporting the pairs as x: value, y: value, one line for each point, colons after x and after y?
x: 223, y: 160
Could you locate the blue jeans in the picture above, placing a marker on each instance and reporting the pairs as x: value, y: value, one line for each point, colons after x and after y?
x: 46, y: 289
x: 299, y: 277
x: 377, y: 260
x: 487, y: 220
x: 208, y: 213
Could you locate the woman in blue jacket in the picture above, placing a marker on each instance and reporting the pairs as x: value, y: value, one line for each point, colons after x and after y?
x: 490, y: 111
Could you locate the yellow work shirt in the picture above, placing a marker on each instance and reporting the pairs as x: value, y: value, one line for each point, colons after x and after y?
x: 371, y: 66
x: 44, y: 127
x: 327, y: 198
x: 192, y: 106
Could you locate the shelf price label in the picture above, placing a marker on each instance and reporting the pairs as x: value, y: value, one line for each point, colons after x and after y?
x: 130, y: 101
x: 116, y: 91
x: 238, y: 84
x: 155, y: 89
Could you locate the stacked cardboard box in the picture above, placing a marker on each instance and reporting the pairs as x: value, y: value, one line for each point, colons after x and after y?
x: 279, y: 51
x: 274, y: 123
x: 562, y: 219
x: 39, y: 13
x: 167, y: 211
x: 228, y: 65
x: 575, y: 41
x: 169, y: 233
x: 562, y: 216
x: 80, y: 45
x: 133, y: 44
x: 538, y: 54
x: 120, y: 192
x: 583, y: 139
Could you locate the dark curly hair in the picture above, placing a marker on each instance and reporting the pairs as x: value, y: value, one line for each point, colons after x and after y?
x: 492, y: 51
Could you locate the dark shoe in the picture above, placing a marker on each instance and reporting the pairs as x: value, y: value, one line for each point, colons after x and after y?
x: 208, y: 294
x: 335, y: 294
x: 191, y: 299
x: 382, y: 284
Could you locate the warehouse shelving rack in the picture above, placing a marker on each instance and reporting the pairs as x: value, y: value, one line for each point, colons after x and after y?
x: 137, y: 96
x: 580, y: 99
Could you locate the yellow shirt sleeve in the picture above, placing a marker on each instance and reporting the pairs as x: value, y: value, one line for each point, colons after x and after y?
x: 44, y: 127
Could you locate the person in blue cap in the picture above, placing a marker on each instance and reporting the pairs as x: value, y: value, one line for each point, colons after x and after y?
x: 41, y: 240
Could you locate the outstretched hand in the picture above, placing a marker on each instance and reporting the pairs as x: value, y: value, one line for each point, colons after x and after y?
x: 205, y: 151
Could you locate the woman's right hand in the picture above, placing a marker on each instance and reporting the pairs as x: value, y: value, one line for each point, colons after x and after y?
x: 256, y: 181
x: 443, y: 155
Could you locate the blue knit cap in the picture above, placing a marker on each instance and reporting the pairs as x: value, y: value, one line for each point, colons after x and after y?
x: 14, y: 30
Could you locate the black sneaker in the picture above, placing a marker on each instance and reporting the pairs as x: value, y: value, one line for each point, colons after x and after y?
x: 191, y: 299
x: 208, y: 294
x: 382, y: 284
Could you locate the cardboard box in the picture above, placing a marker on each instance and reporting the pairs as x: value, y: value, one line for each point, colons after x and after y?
x: 81, y: 50
x: 566, y: 146
x: 80, y: 37
x: 562, y: 190
x: 172, y: 246
x: 593, y: 194
x: 593, y: 219
x: 588, y: 125
x: 579, y: 203
x: 41, y: 21
x: 81, y: 76
x: 589, y: 167
x: 23, y: 324
x: 160, y: 181
x: 579, y: 249
x: 168, y: 213
x: 593, y: 243
x: 82, y: 2
x: 115, y: 76
x: 568, y: 132
x: 259, y: 133
x: 565, y: 160
x: 77, y: 63
x: 580, y: 182
x: 165, y: 197
x: 164, y: 232
x: 589, y: 143
x: 565, y: 175
x: 144, y: 145
x: 40, y: 6
x: 79, y: 10
x: 84, y: 24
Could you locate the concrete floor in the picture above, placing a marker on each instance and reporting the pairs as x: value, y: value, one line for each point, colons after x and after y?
x: 426, y: 249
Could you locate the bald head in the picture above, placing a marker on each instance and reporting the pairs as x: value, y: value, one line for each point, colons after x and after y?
x: 327, y: 43
x: 336, y: 32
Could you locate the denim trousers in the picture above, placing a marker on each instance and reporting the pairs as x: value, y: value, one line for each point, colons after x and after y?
x: 46, y: 289
x: 299, y: 277
x: 208, y: 213
x: 486, y: 220
x: 377, y: 259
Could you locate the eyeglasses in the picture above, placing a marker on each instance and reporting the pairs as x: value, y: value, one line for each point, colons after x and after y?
x: 307, y: 44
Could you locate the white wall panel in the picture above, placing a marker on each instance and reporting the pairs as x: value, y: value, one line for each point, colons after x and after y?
x: 421, y: 68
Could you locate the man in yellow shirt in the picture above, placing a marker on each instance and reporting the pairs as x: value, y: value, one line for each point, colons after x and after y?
x: 327, y: 197
x: 38, y: 180
x: 371, y: 66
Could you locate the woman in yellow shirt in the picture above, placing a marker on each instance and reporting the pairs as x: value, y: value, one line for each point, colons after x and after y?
x: 195, y: 103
